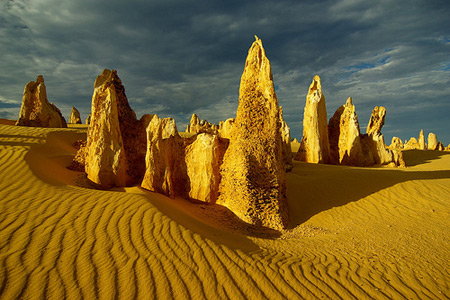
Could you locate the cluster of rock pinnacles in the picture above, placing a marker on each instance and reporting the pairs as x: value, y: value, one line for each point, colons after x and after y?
x: 240, y: 164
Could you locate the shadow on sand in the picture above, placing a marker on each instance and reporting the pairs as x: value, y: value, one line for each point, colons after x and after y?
x: 313, y: 188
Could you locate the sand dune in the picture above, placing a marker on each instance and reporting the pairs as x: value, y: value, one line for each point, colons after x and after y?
x: 355, y: 233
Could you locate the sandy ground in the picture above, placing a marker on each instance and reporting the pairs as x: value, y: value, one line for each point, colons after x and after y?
x: 355, y: 233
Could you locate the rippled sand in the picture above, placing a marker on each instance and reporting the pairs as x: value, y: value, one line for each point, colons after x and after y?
x: 354, y: 233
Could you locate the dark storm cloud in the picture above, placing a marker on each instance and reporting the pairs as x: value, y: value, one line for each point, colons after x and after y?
x: 180, y: 57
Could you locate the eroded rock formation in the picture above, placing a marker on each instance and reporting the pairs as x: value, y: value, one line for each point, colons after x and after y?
x: 74, y: 116
x: 432, y: 141
x: 203, y: 126
x: 373, y: 142
x: 396, y: 143
x: 225, y: 128
x: 253, y: 183
x: 88, y: 119
x: 185, y: 167
x: 315, y: 147
x: 344, y: 136
x: 412, y: 144
x: 36, y: 111
x: 422, y: 145
x: 116, y: 140
x: 286, y: 141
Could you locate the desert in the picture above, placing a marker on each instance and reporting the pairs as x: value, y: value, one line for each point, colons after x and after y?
x: 132, y: 208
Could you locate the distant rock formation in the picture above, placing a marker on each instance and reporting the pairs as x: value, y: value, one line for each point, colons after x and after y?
x: 225, y: 128
x: 116, y: 140
x: 315, y: 147
x: 253, y: 183
x: 185, y: 167
x: 74, y: 116
x: 36, y: 111
x: 344, y: 137
x: 440, y: 147
x: 396, y: 143
x: 422, y: 145
x: 411, y: 144
x: 373, y: 142
x: 88, y: 119
x: 432, y: 141
x: 286, y: 139
x: 203, y: 126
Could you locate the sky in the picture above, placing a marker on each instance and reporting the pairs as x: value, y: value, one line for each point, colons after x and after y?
x: 178, y: 57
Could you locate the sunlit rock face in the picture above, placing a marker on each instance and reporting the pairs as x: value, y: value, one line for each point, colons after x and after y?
x: 286, y: 142
x: 36, y: 111
x: 422, y: 144
x: 253, y: 183
x: 315, y: 147
x: 373, y: 142
x: 432, y: 141
x: 225, y: 128
x: 75, y: 117
x: 88, y: 119
x: 396, y: 143
x: 344, y: 136
x: 412, y: 144
x: 201, y: 126
x: 184, y: 167
x: 116, y: 145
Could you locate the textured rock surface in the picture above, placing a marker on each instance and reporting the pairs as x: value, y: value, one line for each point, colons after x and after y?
x: 422, y: 144
x: 36, y: 111
x: 203, y: 159
x: 396, y: 143
x: 286, y: 139
x: 344, y: 136
x: 88, y: 119
x: 201, y: 126
x: 185, y: 167
x: 74, y: 116
x: 373, y: 142
x: 253, y: 183
x: 432, y: 141
x: 165, y: 168
x: 412, y: 144
x: 315, y: 147
x: 116, y: 145
x: 225, y: 128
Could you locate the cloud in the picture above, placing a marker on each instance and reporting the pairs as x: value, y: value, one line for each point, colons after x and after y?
x: 180, y: 57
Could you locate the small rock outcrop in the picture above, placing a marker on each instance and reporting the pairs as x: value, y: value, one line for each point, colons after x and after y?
x: 373, y: 142
x: 184, y: 167
x: 412, y: 144
x: 315, y: 147
x: 396, y: 143
x: 422, y: 144
x: 88, y: 119
x: 116, y: 141
x: 344, y: 136
x: 253, y: 183
x: 74, y: 116
x: 203, y: 126
x: 440, y: 147
x: 225, y: 128
x: 36, y: 111
x: 432, y: 141
x: 165, y: 170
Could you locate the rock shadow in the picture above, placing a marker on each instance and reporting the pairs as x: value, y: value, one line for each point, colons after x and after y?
x: 313, y: 188
x: 418, y: 157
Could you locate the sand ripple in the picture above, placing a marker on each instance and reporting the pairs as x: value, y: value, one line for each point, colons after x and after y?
x: 61, y: 241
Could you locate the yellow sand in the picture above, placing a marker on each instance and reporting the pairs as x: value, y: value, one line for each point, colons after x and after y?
x: 356, y: 233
